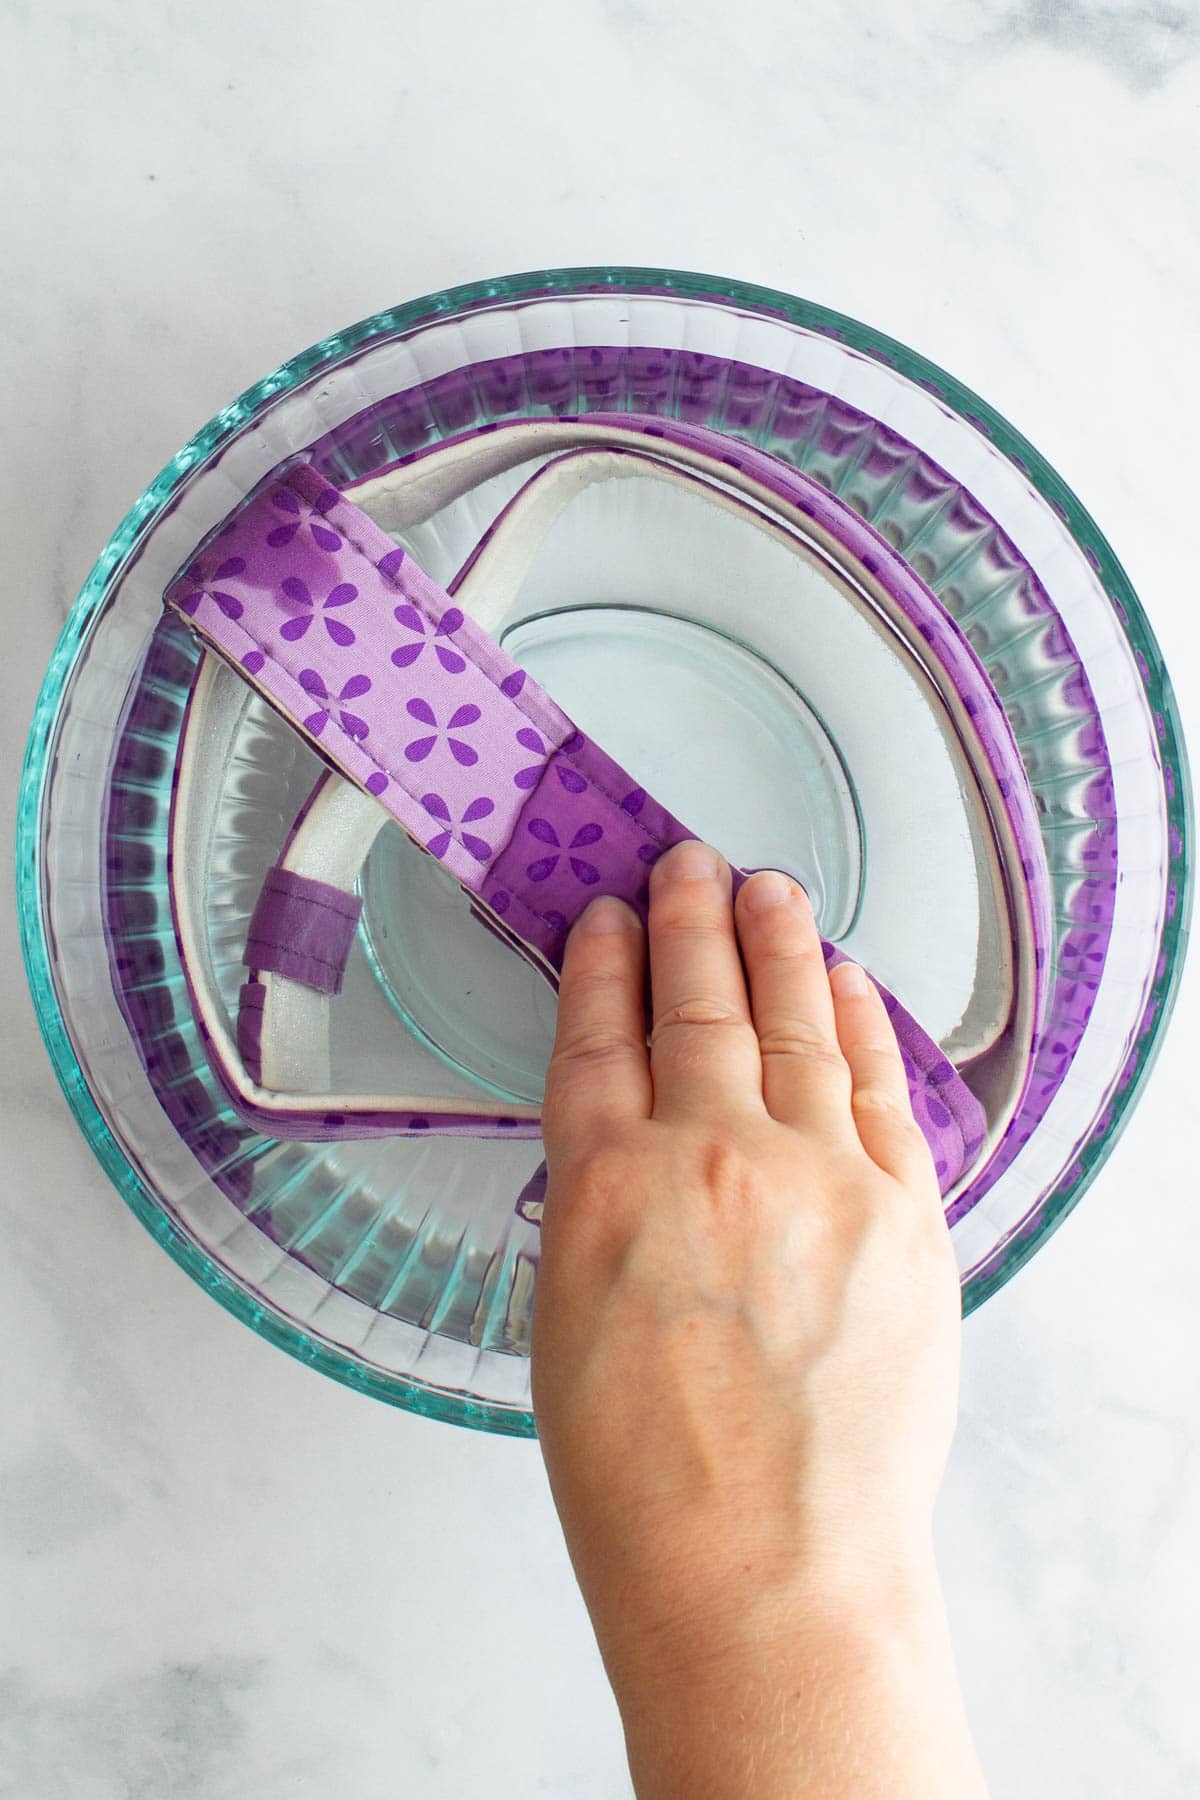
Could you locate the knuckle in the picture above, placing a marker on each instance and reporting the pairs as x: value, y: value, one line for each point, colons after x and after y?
x: 728, y: 1174
x: 599, y: 981
x: 699, y: 1009
x: 596, y: 1044
x: 689, y: 918
x: 797, y: 1040
x: 596, y: 1183
x: 603, y: 1170
x: 781, y: 945
x: 885, y: 1107
x: 882, y: 1051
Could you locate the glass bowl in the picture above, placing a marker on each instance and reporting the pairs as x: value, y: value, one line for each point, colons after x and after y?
x: 400, y: 1265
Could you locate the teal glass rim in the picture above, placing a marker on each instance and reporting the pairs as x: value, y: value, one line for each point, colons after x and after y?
x: 1008, y: 1256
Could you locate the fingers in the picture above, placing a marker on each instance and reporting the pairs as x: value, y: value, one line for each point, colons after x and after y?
x: 599, y: 1073
x: 879, y: 1100
x: 704, y: 1054
x: 805, y: 1080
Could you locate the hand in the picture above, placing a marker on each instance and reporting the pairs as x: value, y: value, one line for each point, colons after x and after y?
x: 745, y: 1350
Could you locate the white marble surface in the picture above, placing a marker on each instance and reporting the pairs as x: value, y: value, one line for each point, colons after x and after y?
x: 222, y: 1574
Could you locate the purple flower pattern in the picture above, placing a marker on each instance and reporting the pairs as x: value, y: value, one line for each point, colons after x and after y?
x: 460, y: 719
x: 296, y: 512
x: 532, y: 761
x: 353, y: 689
x: 279, y: 599
x: 530, y: 776
x: 298, y: 594
x: 479, y: 808
x: 205, y: 579
x: 406, y: 655
x: 544, y: 866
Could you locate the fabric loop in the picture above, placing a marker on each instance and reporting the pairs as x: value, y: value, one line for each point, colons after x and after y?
x: 303, y: 929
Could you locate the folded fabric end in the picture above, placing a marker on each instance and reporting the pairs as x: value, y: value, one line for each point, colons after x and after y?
x: 532, y: 1195
x: 251, y: 1000
x: 303, y: 929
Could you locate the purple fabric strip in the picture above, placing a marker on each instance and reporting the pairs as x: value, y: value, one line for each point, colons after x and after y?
x: 415, y: 703
x: 655, y: 387
x: 368, y: 656
x: 249, y: 1028
x: 304, y: 929
x: 587, y: 828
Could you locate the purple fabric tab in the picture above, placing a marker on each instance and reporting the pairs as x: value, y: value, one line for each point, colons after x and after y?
x: 303, y: 929
x: 249, y: 1028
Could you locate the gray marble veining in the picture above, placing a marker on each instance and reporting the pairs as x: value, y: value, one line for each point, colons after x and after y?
x: 223, y: 1575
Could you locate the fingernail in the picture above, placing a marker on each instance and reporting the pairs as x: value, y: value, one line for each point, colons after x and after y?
x: 689, y: 861
x: 607, y: 914
x: 768, y: 888
x: 849, y: 979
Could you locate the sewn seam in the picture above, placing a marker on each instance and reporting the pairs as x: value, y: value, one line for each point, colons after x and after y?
x: 464, y: 648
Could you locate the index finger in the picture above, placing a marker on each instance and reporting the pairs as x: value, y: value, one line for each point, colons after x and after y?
x: 599, y: 1073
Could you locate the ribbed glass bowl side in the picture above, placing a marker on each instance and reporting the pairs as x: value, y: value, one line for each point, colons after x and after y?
x: 32, y: 874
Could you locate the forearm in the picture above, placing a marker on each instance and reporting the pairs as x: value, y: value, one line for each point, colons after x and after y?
x: 856, y: 1697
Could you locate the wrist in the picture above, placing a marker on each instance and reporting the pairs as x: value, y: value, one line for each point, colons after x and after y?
x: 752, y: 1615
x: 819, y: 1672
x: 728, y: 1589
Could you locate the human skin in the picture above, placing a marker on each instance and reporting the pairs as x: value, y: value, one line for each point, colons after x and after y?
x: 745, y: 1353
